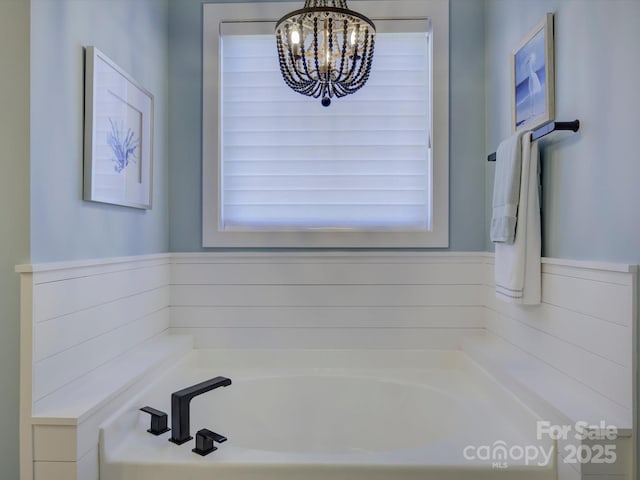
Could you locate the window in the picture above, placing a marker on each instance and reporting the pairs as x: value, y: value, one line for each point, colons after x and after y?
x: 279, y: 169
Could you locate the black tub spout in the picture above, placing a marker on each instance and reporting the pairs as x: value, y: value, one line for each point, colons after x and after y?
x: 180, y: 404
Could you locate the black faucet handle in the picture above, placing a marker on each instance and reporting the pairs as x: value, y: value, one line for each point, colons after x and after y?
x: 158, y: 421
x: 204, y: 441
x: 215, y: 436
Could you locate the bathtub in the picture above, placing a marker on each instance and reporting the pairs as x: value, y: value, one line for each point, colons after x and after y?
x: 332, y: 415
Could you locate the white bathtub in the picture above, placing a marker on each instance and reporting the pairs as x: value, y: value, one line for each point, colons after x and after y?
x: 353, y: 415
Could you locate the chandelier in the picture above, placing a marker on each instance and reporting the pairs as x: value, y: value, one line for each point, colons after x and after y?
x: 325, y: 49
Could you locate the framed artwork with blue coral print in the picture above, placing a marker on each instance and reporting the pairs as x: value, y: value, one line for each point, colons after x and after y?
x: 118, y: 135
x: 532, y: 74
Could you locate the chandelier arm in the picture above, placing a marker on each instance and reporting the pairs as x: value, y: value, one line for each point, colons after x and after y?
x: 365, y: 51
x: 300, y: 77
x: 287, y: 74
x: 300, y: 82
x: 350, y: 73
x: 369, y: 57
x: 291, y: 71
x: 303, y: 54
x: 366, y: 54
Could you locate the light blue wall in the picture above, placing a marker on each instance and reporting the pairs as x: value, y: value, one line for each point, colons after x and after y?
x: 42, y: 215
x: 14, y: 214
x: 591, y: 179
x: 467, y: 108
x: 134, y: 35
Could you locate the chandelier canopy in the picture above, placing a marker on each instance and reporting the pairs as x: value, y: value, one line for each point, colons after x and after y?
x: 325, y: 49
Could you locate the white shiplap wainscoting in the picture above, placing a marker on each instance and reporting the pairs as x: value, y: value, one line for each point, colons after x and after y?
x: 327, y: 300
x: 572, y: 358
x: 92, y: 330
x: 89, y: 331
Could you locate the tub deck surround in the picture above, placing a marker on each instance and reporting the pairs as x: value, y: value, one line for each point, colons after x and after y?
x: 554, y: 395
x: 88, y: 330
x: 560, y: 401
x: 410, y: 414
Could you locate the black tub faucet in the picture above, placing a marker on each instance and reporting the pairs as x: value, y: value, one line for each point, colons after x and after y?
x: 180, y: 402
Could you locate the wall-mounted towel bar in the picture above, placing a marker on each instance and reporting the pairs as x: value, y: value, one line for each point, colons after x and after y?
x: 546, y: 130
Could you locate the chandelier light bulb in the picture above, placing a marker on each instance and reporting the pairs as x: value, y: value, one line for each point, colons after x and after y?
x: 295, y: 37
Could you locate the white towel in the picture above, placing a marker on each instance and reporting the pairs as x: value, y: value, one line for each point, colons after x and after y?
x: 517, y: 265
x: 506, y: 189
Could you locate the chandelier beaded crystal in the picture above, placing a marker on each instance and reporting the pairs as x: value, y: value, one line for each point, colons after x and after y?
x: 325, y: 49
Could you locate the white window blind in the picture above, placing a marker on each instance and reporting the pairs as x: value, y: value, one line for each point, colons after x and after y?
x: 363, y: 163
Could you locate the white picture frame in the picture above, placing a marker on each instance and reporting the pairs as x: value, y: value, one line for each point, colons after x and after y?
x: 118, y: 135
x: 533, y: 78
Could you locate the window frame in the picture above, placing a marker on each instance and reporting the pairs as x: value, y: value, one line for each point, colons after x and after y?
x: 437, y: 11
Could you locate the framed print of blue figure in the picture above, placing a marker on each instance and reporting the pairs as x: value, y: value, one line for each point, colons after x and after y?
x: 118, y: 133
x: 532, y: 70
